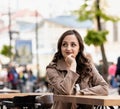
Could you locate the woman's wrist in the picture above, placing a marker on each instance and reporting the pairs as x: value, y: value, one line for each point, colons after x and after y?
x: 73, y: 67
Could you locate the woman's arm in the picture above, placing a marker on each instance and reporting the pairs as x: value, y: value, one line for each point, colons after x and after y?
x: 61, y: 83
x: 100, y: 86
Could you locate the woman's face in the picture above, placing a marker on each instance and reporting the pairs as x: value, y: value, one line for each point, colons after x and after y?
x: 70, y: 45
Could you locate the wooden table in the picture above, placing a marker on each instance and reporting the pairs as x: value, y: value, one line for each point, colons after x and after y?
x: 5, y: 97
x: 111, y: 100
x: 12, y: 95
x: 6, y: 90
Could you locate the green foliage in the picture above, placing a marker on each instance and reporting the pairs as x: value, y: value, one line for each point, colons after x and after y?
x: 7, y: 51
x: 106, y: 17
x: 96, y: 38
x: 86, y: 12
x: 83, y: 13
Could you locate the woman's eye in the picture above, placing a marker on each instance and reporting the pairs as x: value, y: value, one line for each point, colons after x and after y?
x: 73, y: 44
x: 64, y: 45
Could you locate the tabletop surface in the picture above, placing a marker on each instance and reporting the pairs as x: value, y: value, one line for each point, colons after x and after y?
x: 11, y: 95
x: 111, y: 100
x: 9, y: 91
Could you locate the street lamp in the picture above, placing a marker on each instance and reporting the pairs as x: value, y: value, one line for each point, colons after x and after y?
x: 36, y: 34
x: 9, y: 26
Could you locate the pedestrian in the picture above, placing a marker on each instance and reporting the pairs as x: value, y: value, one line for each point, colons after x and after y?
x: 117, y: 74
x: 71, y: 72
x: 13, y: 76
x: 111, y: 75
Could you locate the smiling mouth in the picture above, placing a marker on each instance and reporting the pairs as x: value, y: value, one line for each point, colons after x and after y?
x: 68, y: 53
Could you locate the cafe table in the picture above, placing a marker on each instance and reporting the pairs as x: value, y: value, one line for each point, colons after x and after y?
x: 7, y: 90
x: 9, y: 96
x: 12, y: 95
x: 110, y: 100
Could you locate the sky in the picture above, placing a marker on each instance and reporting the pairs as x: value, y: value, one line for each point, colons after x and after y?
x: 46, y: 7
x: 53, y: 7
x: 113, y: 7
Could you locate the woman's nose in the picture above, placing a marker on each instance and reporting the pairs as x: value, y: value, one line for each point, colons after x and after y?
x: 68, y: 47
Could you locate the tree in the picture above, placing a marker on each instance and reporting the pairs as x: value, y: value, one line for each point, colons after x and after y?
x: 7, y: 51
x: 96, y: 37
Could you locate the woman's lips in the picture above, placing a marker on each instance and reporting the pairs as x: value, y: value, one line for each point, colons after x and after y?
x: 68, y: 53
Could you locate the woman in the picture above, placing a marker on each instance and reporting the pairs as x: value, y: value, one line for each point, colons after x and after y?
x: 71, y: 72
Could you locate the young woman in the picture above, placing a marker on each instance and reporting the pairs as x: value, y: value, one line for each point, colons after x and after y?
x: 71, y: 72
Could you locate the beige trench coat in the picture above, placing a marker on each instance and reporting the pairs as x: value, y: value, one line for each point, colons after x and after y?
x: 62, y: 81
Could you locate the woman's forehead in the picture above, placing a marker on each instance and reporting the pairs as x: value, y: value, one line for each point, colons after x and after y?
x: 70, y: 38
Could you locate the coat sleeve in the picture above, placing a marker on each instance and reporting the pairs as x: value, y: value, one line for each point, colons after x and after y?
x: 100, y: 86
x: 61, y: 84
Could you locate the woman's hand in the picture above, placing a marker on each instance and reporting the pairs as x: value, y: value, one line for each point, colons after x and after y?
x: 71, y: 62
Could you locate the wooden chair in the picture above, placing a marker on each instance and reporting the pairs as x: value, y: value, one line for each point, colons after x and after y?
x: 20, y: 102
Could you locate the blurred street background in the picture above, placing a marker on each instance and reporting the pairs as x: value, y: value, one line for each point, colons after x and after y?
x: 29, y: 30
